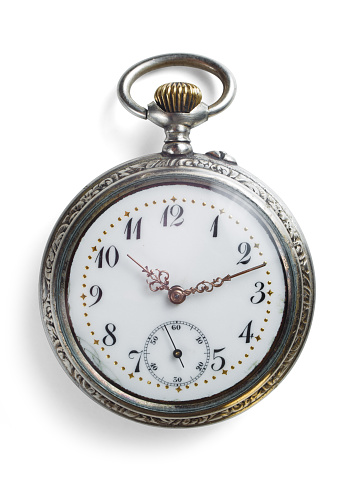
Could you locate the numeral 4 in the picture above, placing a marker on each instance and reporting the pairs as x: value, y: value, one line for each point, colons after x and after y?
x: 246, y: 333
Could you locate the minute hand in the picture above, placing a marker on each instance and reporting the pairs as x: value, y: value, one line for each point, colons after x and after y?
x: 205, y: 286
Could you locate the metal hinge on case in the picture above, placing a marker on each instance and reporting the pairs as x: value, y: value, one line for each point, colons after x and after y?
x: 222, y: 155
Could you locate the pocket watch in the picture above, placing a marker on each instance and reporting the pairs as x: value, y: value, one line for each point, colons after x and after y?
x: 177, y: 289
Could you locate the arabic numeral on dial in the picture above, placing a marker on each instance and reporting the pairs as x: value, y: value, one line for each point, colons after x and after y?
x: 132, y: 355
x: 199, y: 366
x: 136, y: 230
x: 110, y: 338
x: 176, y: 212
x: 153, y: 366
x: 95, y: 291
x: 244, y: 248
x: 261, y: 295
x: 111, y: 256
x: 154, y: 340
x: 199, y: 340
x: 214, y: 228
x: 177, y: 379
x: 175, y: 327
x: 220, y: 361
x: 246, y: 333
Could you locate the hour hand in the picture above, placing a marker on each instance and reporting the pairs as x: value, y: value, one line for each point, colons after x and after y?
x: 157, y: 280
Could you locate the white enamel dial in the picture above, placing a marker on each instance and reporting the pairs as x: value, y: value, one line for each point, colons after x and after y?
x: 181, y: 234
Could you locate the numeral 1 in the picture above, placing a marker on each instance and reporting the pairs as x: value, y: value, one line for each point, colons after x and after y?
x: 214, y: 227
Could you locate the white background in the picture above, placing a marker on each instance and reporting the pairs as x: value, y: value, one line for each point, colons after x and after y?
x: 292, y: 125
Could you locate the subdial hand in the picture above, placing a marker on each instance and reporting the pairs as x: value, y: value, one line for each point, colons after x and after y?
x: 159, y: 281
x: 178, y: 295
x: 176, y: 353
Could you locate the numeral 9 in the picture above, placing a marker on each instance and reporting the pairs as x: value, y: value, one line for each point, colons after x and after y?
x: 95, y: 291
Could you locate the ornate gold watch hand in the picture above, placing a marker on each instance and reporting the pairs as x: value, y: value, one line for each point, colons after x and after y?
x: 177, y: 295
x: 160, y: 280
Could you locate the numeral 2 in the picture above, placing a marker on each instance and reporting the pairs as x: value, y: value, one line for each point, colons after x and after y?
x: 244, y: 249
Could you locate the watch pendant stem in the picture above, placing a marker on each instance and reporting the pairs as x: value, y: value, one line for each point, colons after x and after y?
x: 177, y: 140
x: 177, y: 109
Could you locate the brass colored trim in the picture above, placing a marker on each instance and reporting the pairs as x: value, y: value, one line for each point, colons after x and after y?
x: 178, y: 97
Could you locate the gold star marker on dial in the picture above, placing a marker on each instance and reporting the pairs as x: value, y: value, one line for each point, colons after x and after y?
x: 130, y: 375
x: 83, y: 296
x: 258, y: 338
x: 224, y: 372
x: 173, y: 199
x: 256, y: 246
x: 94, y: 249
x: 221, y: 211
x: 126, y: 214
x: 270, y: 292
x: 178, y: 389
x: 96, y: 341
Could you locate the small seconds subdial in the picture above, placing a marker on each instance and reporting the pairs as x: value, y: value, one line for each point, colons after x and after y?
x: 176, y: 353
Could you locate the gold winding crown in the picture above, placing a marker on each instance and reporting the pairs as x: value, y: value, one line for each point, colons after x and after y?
x: 178, y: 97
